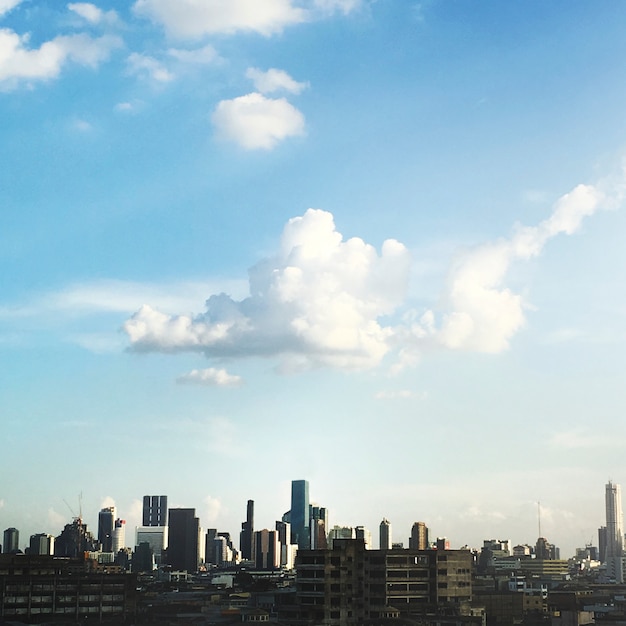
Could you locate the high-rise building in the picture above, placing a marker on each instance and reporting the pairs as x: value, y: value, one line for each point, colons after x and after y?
x: 299, y: 517
x: 385, y: 534
x: 419, y: 536
x: 106, y: 525
x: 318, y: 523
x: 614, y: 520
x: 155, y: 511
x: 155, y: 537
x: 41, y: 544
x: 267, y: 549
x: 246, y: 537
x: 11, y: 541
x: 184, y: 535
x: 614, y: 549
x: 119, y: 535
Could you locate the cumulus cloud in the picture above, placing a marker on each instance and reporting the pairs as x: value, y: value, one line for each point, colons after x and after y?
x: 213, y: 508
x: 485, y: 314
x: 7, y: 5
x: 91, y: 13
x: 317, y: 302
x: 211, y: 377
x: 256, y: 122
x: 190, y: 19
x: 274, y: 80
x: 148, y: 67
x: 19, y: 63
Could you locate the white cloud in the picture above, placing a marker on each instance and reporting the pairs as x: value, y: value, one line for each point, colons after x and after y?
x: 256, y: 122
x: 19, y: 63
x: 317, y: 302
x: 128, y: 107
x: 213, y: 508
x: 484, y: 314
x: 200, y: 56
x: 82, y: 126
x: 91, y: 13
x: 55, y: 519
x: 7, y: 5
x: 192, y: 19
x: 147, y: 66
x: 212, y: 377
x: 274, y: 80
x: 106, y: 502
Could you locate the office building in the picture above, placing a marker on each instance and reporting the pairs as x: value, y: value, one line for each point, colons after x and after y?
x: 419, y: 536
x: 75, y: 539
x: 155, y: 537
x: 119, y: 535
x: 154, y: 511
x: 299, y: 515
x: 246, y: 537
x: 385, y: 534
x: 41, y: 544
x: 318, y: 523
x: 106, y: 525
x: 267, y: 549
x: 184, y: 536
x: 11, y: 541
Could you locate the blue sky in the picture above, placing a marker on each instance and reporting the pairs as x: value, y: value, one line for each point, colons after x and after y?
x: 374, y: 244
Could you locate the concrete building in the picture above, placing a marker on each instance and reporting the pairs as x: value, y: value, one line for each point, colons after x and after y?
x: 384, y: 535
x: 419, y: 536
x: 614, y: 532
x: 267, y: 549
x: 154, y: 511
x: 347, y: 585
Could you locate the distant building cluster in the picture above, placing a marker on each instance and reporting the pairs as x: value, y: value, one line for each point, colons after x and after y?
x: 320, y: 574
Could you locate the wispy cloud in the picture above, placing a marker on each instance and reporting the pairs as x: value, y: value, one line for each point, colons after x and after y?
x: 93, y: 14
x: 148, y: 67
x: 211, y: 377
x: 274, y: 80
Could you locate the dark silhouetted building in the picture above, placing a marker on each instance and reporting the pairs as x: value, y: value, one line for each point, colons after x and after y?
x: 246, y: 538
x: 11, y: 541
x: 184, y: 537
x: 419, y: 536
x: 106, y: 525
x: 75, y: 540
x: 41, y: 544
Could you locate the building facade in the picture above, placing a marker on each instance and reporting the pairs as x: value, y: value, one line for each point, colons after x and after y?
x: 299, y: 517
x: 154, y: 511
x: 384, y: 534
x: 347, y: 585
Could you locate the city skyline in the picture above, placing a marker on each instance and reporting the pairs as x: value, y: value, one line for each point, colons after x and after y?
x: 378, y: 245
x: 419, y: 533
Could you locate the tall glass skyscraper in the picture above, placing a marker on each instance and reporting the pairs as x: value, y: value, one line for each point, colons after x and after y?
x: 300, y: 513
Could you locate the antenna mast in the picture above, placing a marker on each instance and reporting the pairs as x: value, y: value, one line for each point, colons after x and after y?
x: 539, y: 516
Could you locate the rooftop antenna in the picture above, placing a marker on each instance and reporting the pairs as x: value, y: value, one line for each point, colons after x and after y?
x: 539, y: 517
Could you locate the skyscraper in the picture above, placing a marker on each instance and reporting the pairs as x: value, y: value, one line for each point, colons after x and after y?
x: 419, y: 536
x: 184, y: 535
x: 106, y: 525
x: 300, y: 513
x: 246, y: 537
x: 614, y: 533
x: 11, y: 541
x: 41, y: 544
x: 614, y: 520
x: 155, y: 511
x: 385, y: 534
